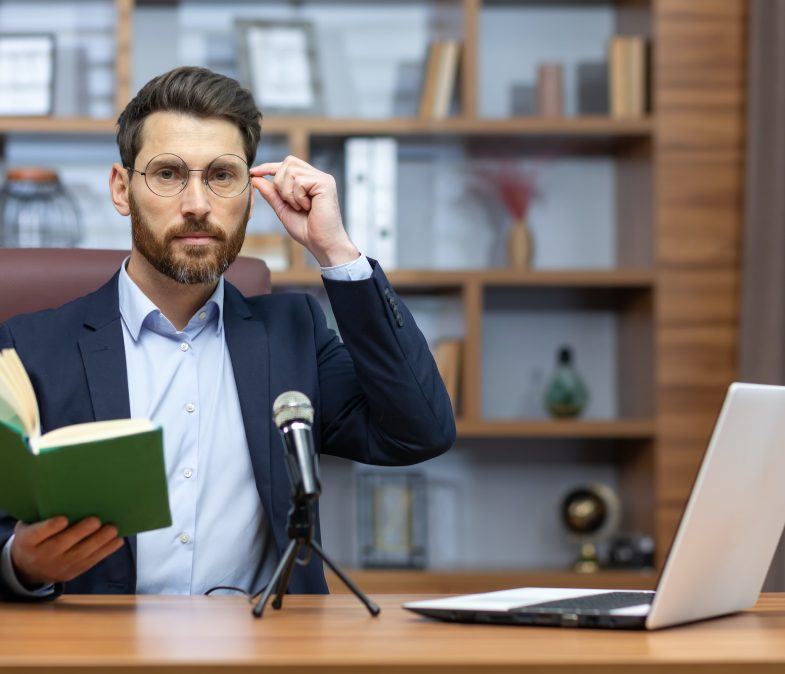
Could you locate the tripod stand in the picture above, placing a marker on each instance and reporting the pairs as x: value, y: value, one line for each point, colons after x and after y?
x: 300, y: 530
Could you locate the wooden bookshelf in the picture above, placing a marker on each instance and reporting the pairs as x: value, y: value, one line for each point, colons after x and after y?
x: 679, y: 201
x: 56, y: 125
x: 463, y: 126
x: 432, y: 279
x: 616, y: 429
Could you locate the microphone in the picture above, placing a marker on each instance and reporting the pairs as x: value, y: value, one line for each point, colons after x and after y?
x: 293, y: 414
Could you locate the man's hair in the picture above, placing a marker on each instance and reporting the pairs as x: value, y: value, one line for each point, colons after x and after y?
x: 191, y: 91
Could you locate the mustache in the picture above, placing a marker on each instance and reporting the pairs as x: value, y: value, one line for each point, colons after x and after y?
x: 193, y: 225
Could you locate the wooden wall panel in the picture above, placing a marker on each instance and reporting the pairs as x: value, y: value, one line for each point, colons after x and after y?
x: 700, y: 81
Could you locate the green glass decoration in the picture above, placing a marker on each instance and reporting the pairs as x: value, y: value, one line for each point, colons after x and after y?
x: 566, y: 394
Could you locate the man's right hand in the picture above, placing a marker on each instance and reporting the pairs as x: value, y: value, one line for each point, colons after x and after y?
x: 52, y: 552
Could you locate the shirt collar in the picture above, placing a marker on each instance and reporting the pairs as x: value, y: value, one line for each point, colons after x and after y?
x: 136, y: 307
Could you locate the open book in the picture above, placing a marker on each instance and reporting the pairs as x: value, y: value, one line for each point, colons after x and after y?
x: 111, y: 469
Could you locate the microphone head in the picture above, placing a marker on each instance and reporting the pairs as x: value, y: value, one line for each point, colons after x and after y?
x: 292, y: 406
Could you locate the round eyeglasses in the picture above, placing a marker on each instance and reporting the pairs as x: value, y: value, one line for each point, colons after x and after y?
x: 167, y: 175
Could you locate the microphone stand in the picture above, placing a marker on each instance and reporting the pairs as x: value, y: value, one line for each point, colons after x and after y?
x: 300, y: 529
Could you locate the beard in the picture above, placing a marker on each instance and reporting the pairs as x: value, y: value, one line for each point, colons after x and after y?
x: 188, y: 264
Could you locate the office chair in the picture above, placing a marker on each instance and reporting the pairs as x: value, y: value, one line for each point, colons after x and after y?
x: 44, y: 278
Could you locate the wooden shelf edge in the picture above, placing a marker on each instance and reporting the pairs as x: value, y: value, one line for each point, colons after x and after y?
x: 547, y: 126
x: 454, y: 278
x: 394, y: 581
x: 523, y: 126
x: 615, y: 429
x: 54, y: 125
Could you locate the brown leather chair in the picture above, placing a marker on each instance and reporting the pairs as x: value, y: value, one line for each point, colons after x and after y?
x: 44, y: 278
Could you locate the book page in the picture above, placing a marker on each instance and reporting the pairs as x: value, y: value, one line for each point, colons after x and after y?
x: 24, y: 389
x: 91, y: 431
x: 12, y: 409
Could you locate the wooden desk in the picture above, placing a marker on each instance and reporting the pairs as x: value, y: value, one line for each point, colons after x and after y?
x: 335, y: 634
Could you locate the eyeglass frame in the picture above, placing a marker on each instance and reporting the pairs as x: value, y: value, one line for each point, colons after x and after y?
x: 190, y: 170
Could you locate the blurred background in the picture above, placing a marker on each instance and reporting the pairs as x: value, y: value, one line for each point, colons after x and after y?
x: 580, y: 200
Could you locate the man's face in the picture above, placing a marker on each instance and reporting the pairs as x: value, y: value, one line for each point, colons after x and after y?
x: 194, y: 236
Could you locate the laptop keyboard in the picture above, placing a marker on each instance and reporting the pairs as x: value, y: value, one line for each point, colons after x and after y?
x: 606, y: 601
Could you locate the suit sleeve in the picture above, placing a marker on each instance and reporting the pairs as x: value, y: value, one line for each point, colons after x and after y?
x: 382, y: 399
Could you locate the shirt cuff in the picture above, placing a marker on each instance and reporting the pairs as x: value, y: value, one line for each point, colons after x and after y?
x: 356, y: 270
x: 9, y: 576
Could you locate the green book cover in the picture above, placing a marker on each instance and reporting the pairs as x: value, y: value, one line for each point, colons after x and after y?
x: 121, y: 480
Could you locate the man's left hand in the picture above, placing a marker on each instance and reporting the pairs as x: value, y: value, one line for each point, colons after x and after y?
x: 306, y: 202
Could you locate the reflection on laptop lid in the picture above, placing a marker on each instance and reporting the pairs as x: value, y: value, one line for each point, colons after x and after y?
x: 722, y: 550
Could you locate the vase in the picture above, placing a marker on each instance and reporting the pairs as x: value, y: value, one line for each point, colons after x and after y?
x: 566, y: 394
x: 519, y: 245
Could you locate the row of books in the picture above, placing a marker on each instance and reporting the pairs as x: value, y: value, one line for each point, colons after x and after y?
x: 623, y: 84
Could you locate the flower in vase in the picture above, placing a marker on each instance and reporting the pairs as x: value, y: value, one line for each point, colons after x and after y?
x: 516, y: 189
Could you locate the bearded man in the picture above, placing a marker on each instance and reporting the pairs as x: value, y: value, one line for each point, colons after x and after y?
x: 169, y: 339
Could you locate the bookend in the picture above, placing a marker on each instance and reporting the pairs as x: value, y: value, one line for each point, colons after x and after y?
x: 300, y: 530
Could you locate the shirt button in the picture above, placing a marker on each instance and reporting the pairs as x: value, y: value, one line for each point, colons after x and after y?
x: 190, y: 407
x: 183, y: 347
x: 184, y: 537
x: 188, y: 472
x: 202, y: 315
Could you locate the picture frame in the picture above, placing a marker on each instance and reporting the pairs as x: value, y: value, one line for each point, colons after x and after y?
x: 277, y: 62
x: 392, y: 518
x: 27, y: 74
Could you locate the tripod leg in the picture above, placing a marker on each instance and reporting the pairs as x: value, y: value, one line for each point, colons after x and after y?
x: 289, y: 555
x: 283, y: 583
x: 373, y: 609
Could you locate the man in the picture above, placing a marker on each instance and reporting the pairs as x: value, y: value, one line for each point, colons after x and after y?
x: 167, y: 338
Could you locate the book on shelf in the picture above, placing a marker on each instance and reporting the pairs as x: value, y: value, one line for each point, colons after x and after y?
x: 113, y: 470
x: 441, y: 79
x: 627, y: 79
x: 593, y: 96
x: 371, y: 197
x: 447, y: 354
x: 550, y: 90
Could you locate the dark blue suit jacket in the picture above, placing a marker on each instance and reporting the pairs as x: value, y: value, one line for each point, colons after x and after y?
x: 377, y: 397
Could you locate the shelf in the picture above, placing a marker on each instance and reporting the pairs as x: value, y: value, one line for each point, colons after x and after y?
x: 577, y: 127
x: 521, y: 126
x: 445, y: 279
x: 641, y: 429
x: 64, y: 125
x: 386, y: 581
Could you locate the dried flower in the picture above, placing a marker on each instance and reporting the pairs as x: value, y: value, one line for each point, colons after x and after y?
x: 516, y: 188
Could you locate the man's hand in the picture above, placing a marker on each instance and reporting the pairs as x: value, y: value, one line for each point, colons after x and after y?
x: 306, y: 202
x: 53, y: 552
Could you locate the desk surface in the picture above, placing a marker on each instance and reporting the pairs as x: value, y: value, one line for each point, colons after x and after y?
x: 336, y: 634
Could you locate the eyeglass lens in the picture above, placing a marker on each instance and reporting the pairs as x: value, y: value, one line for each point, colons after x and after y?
x: 167, y: 175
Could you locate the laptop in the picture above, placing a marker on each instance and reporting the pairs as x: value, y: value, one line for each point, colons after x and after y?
x: 719, y: 557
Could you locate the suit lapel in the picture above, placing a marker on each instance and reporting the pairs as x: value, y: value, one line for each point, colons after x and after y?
x: 247, y: 340
x: 103, y: 357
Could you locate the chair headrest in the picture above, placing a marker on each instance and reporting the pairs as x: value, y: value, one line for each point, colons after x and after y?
x: 32, y: 279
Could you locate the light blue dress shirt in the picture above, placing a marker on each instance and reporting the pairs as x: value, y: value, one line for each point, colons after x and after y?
x: 184, y: 382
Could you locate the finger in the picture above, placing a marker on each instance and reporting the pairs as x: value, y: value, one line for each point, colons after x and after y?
x: 270, y: 195
x: 96, y: 556
x: 37, y: 533
x: 284, y: 182
x: 64, y: 541
x: 87, y: 546
x: 269, y: 168
x: 301, y: 193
